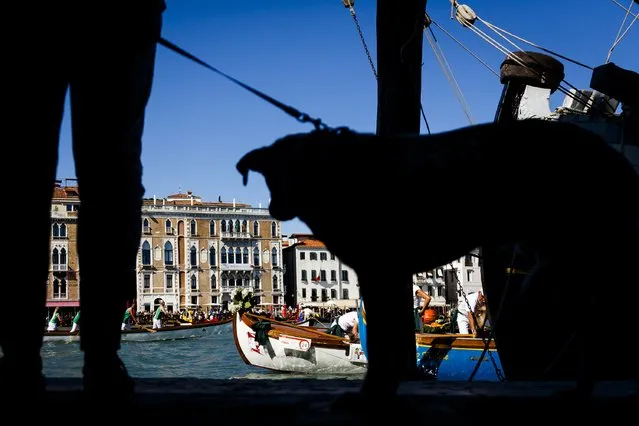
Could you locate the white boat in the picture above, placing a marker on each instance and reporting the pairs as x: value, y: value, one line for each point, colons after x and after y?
x: 146, y: 334
x: 286, y: 347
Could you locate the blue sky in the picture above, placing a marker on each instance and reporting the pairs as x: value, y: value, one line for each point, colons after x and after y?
x: 308, y: 54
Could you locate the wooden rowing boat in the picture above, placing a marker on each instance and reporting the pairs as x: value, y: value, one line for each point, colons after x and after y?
x: 146, y: 334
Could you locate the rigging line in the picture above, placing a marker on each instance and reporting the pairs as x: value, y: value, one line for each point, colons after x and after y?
x: 484, y: 63
x: 418, y: 29
x: 299, y: 116
x: 620, y: 38
x: 441, y: 59
x: 450, y: 70
x: 498, y: 30
x: 486, y: 342
x: 508, y: 53
x: 421, y: 109
x: 361, y: 36
x: 490, y: 40
x: 493, y: 321
x: 624, y: 7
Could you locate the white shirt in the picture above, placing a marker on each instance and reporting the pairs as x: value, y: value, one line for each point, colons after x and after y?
x: 462, y: 308
x: 348, y: 321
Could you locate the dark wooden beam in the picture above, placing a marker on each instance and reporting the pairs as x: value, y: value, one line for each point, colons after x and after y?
x: 399, y: 67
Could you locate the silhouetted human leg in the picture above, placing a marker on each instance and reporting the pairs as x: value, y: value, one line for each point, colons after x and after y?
x: 109, y: 93
x: 34, y: 89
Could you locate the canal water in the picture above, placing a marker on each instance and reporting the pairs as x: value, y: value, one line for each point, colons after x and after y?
x: 212, y: 356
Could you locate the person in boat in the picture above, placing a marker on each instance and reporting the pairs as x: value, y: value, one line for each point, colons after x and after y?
x: 76, y: 323
x: 130, y: 317
x: 346, y: 325
x: 306, y: 314
x: 160, y: 313
x: 421, y: 300
x: 54, y: 321
x: 468, y: 311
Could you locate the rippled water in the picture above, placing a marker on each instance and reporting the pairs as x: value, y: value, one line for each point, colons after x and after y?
x: 212, y: 356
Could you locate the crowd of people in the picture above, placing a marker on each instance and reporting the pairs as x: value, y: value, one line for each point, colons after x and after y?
x: 158, y: 318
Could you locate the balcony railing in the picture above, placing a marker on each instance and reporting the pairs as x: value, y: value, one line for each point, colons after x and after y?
x: 236, y: 267
x: 236, y: 235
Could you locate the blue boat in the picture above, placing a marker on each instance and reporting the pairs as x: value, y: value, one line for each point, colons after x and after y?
x: 450, y: 357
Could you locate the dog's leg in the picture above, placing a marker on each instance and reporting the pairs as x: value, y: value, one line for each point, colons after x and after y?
x: 390, y: 341
x: 391, y: 333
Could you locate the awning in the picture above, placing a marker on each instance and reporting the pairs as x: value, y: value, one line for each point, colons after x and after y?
x: 63, y: 303
x: 334, y: 303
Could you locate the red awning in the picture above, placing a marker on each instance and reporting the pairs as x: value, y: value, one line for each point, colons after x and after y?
x: 63, y: 303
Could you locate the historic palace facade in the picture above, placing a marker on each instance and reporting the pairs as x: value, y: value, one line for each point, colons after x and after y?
x: 192, y: 253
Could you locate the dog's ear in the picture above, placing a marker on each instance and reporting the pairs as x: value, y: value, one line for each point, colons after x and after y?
x: 279, y: 179
x: 255, y: 160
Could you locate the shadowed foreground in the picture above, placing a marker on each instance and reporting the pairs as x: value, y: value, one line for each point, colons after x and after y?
x: 308, y: 402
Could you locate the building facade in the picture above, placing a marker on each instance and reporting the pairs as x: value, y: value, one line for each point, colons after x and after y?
x: 193, y: 254
x: 449, y: 283
x: 316, y: 277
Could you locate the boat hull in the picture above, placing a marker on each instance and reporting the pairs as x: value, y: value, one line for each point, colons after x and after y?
x: 454, y: 357
x: 295, y: 349
x: 310, y: 350
x: 178, y: 332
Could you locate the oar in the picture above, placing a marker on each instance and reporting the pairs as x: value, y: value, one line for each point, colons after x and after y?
x: 150, y: 330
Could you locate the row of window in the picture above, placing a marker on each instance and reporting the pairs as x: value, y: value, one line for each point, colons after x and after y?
x: 228, y: 280
x: 322, y: 275
x: 313, y: 255
x: 228, y: 255
x: 230, y: 226
x: 324, y: 294
x: 59, y: 230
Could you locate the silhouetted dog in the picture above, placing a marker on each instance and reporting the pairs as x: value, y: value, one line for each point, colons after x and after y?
x: 393, y: 206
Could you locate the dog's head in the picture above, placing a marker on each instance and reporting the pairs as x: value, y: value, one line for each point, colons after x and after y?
x: 300, y: 171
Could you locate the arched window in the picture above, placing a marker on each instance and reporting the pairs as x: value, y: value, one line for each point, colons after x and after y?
x: 193, y: 256
x: 256, y: 257
x: 193, y: 283
x: 223, y: 255
x: 245, y: 256
x: 193, y: 227
x: 256, y: 228
x: 63, y: 256
x: 213, y: 282
x: 212, y: 256
x: 168, y: 253
x: 274, y: 256
x: 273, y: 229
x: 146, y: 253
x: 55, y: 257
x: 212, y: 228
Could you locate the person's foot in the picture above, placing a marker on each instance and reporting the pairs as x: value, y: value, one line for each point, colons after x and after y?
x: 106, y: 378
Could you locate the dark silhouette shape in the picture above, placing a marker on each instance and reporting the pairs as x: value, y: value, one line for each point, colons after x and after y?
x: 551, y: 185
x: 104, y: 55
